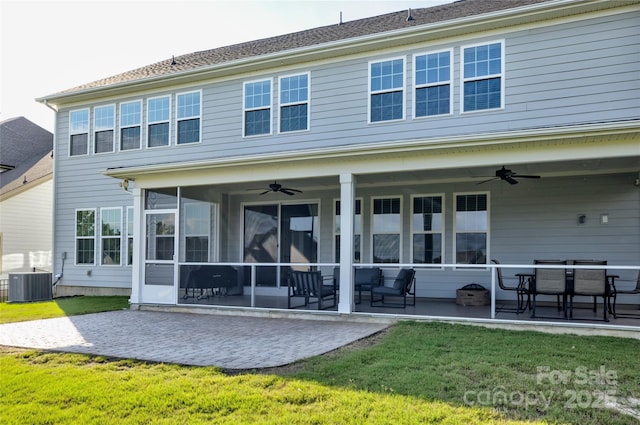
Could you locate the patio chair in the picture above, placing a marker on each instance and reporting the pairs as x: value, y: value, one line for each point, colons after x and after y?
x: 520, y: 291
x: 590, y: 282
x: 549, y: 282
x: 310, y: 285
x: 402, y: 286
x: 366, y: 278
x: 614, y: 294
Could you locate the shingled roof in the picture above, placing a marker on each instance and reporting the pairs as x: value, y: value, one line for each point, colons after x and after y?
x: 316, y: 36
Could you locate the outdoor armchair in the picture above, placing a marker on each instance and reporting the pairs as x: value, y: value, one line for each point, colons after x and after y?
x: 616, y: 292
x: 590, y: 282
x: 310, y: 285
x: 520, y: 290
x: 403, y: 286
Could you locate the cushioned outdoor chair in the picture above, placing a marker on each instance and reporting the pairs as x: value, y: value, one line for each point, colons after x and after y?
x: 550, y: 282
x: 590, y: 282
x: 366, y: 278
x: 402, y: 286
x: 520, y: 290
x: 616, y: 292
x: 310, y: 285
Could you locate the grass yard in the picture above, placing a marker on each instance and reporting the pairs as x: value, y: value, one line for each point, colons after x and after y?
x: 414, y: 373
x: 18, y: 312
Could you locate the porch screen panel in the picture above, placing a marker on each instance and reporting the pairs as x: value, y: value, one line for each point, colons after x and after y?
x: 357, y: 230
x: 471, y: 229
x: 386, y: 230
x: 160, y: 236
x: 427, y: 228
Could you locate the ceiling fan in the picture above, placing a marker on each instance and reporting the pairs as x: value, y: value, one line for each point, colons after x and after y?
x: 276, y: 187
x: 509, y: 176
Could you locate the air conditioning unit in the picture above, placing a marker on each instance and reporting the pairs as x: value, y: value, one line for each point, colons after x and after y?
x: 30, y: 287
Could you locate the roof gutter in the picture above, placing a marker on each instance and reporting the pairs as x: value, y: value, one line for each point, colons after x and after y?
x: 341, y: 47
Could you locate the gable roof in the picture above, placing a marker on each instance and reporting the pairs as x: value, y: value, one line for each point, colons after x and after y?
x: 25, y: 151
x: 304, y: 39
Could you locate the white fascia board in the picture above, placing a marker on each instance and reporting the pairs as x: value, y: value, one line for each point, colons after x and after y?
x: 541, y: 11
x: 388, y: 148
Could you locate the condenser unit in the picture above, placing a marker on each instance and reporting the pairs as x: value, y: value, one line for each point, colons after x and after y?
x: 30, y: 287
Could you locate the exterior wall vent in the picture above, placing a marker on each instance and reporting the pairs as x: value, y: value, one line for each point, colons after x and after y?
x: 24, y: 287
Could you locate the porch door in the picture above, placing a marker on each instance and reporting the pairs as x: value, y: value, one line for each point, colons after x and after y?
x: 160, y: 259
x: 285, y: 233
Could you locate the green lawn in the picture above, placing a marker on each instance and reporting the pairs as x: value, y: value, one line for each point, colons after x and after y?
x: 18, y: 312
x: 415, y: 373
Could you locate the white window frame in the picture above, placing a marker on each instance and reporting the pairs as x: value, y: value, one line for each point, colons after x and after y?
x: 500, y: 75
x: 188, y: 117
x: 79, y: 131
x: 296, y: 103
x: 357, y: 228
x: 455, y: 226
x: 245, y: 109
x: 372, y: 92
x: 77, y: 238
x: 426, y: 232
x: 116, y: 237
x: 374, y: 232
x: 130, y: 223
x: 152, y: 122
x: 126, y: 126
x: 99, y: 128
x: 184, y: 215
x: 417, y: 86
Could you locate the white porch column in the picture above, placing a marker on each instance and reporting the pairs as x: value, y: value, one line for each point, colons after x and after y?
x: 138, y: 255
x: 347, y: 205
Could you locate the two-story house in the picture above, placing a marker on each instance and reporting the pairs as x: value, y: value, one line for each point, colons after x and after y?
x: 436, y: 138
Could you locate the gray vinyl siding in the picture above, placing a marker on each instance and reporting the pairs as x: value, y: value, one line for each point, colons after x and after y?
x: 591, y: 76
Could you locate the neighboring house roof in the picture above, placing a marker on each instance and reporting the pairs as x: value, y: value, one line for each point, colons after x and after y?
x: 25, y: 153
x: 316, y: 36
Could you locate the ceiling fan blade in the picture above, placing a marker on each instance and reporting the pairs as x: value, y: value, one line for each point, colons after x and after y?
x: 521, y: 176
x: 265, y: 192
x: 289, y: 189
x: 286, y: 192
x: 511, y: 180
x: 486, y: 181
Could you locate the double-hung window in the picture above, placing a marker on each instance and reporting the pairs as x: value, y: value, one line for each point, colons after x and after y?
x: 85, y: 237
x: 433, y: 74
x: 427, y: 226
x: 130, y: 125
x: 471, y: 227
x: 188, y: 117
x: 158, y: 113
x: 294, y: 103
x: 257, y: 108
x: 104, y: 127
x: 79, y: 132
x: 386, y: 90
x: 111, y: 235
x: 387, y: 227
x: 357, y: 231
x: 483, y: 76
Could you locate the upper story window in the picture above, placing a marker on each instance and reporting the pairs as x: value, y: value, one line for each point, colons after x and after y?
x: 294, y: 103
x: 257, y: 108
x: 130, y: 125
x: 158, y: 111
x: 79, y: 132
x: 104, y: 122
x: 188, y: 117
x: 386, y: 87
x: 427, y: 226
x: 433, y: 74
x: 471, y: 228
x: 386, y: 230
x: 483, y: 76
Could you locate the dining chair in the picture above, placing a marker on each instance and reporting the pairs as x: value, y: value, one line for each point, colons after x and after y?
x: 590, y: 282
x: 520, y: 290
x: 616, y: 292
x: 549, y: 282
